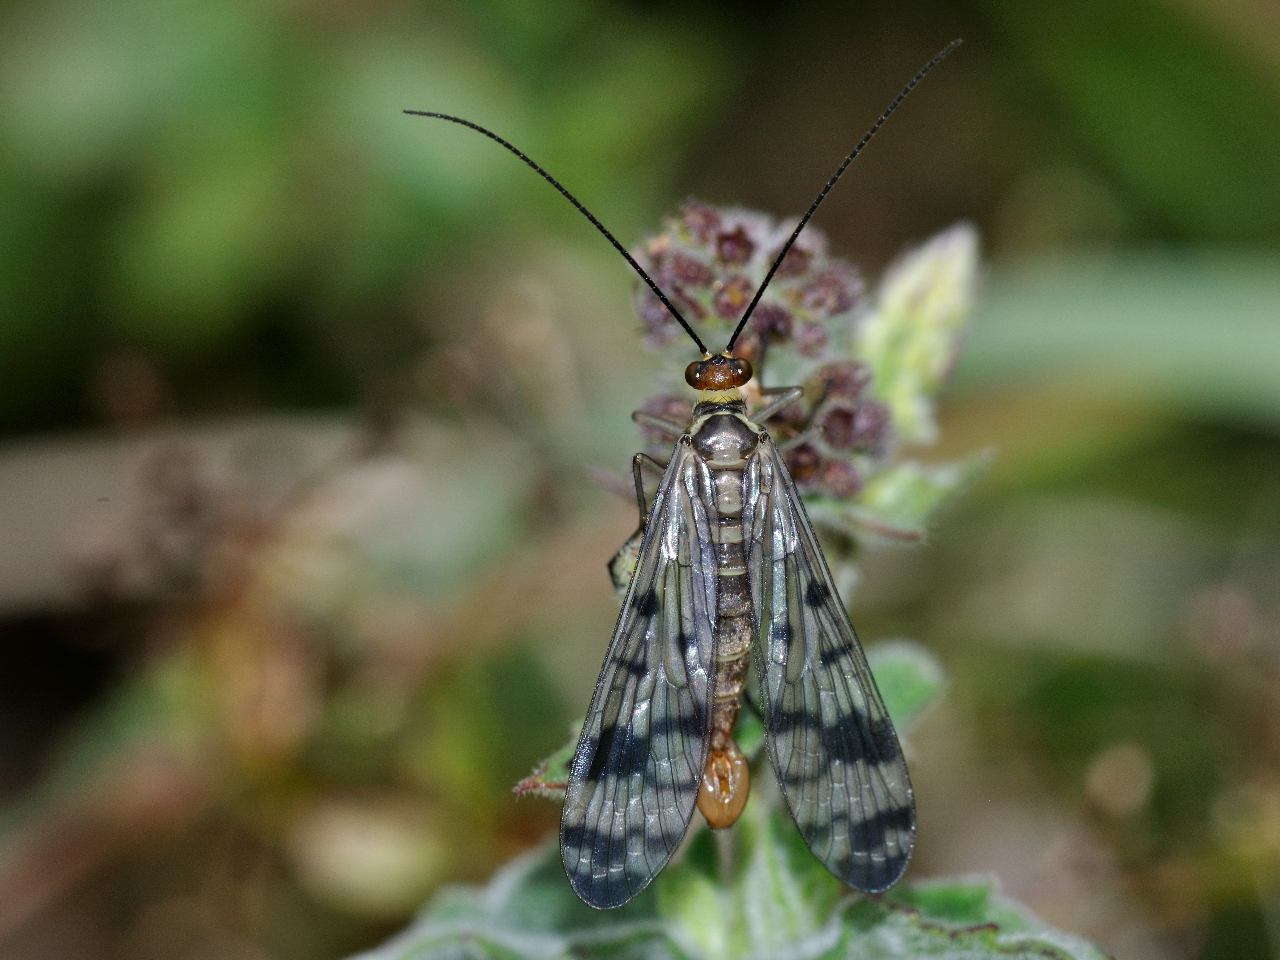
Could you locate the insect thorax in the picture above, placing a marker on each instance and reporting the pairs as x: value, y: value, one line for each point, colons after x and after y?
x: 722, y: 435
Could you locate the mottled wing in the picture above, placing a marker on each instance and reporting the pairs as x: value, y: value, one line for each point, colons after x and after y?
x: 832, y: 743
x: 634, y: 778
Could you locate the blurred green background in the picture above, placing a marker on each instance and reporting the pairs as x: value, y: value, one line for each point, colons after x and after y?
x: 301, y: 567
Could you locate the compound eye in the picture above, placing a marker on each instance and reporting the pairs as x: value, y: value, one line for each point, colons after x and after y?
x: 721, y: 372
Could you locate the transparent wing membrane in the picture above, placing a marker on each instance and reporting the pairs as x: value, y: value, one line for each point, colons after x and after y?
x: 832, y: 743
x: 634, y: 777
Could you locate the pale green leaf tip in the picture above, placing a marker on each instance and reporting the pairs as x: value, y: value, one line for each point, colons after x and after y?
x: 912, y: 335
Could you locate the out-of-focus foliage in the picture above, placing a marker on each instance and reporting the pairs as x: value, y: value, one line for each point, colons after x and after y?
x: 217, y: 183
x: 300, y: 567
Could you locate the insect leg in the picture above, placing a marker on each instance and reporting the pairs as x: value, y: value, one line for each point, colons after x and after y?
x: 785, y: 396
x: 669, y: 428
x: 638, y: 463
x: 803, y: 436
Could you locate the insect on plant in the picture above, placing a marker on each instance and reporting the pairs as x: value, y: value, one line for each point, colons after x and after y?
x: 730, y: 572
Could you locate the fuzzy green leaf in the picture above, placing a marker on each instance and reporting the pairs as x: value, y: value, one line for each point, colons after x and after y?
x: 766, y: 898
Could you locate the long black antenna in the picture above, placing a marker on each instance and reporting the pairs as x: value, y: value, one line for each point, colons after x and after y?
x: 581, y: 209
x: 853, y: 155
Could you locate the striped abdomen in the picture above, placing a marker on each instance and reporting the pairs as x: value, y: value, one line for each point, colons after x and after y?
x: 725, y: 780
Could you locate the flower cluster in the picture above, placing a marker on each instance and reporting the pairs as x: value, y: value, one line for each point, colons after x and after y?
x: 710, y: 262
x: 870, y: 360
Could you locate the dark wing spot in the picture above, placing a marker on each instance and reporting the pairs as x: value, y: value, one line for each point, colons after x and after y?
x: 780, y: 633
x: 785, y: 721
x: 636, y: 758
x: 599, y: 749
x: 894, y: 818
x: 864, y: 873
x: 576, y: 836
x: 687, y: 725
x: 835, y: 655
x: 816, y: 594
x: 635, y: 668
x: 885, y: 739
x: 646, y: 603
x: 838, y: 742
x: 855, y: 737
x: 619, y: 753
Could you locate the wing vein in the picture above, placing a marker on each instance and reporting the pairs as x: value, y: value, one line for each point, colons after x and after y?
x: 632, y: 783
x: 838, y: 762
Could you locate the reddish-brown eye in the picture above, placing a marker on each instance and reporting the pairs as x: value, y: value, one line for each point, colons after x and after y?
x: 718, y: 373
